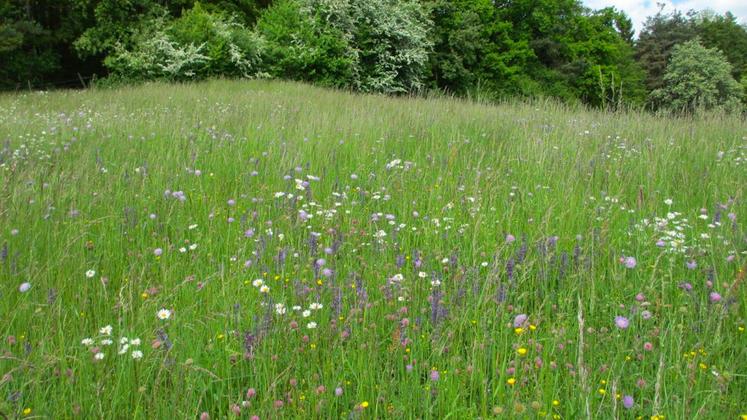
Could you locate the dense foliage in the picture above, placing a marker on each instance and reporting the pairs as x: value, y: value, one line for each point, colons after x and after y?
x: 482, y: 48
x: 698, y: 77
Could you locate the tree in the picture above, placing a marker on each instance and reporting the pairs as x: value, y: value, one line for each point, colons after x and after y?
x: 658, y: 37
x: 368, y: 45
x: 726, y: 34
x: 698, y: 78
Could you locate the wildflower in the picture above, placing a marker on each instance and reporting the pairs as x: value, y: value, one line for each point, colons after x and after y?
x: 90, y: 273
x: 250, y: 393
x: 99, y: 356
x: 137, y: 354
x: 123, y: 349
x: 622, y: 322
x: 311, y: 325
x: 521, y: 351
x: 280, y: 308
x: 163, y: 314
x: 306, y: 313
x: 107, y: 330
x: 434, y: 375
x: 511, y: 381
x: 714, y: 297
x: 106, y: 342
x: 26, y: 411
x: 364, y: 404
x: 158, y: 252
x: 315, y: 306
x: 629, y: 262
x: 510, y: 238
x: 691, y: 265
x: 135, y: 342
x: 628, y: 402
x: 258, y: 283
x: 648, y: 346
x: 264, y: 289
x: 555, y: 403
x: 87, y: 342
x: 24, y: 287
x: 668, y: 201
x: 519, y: 320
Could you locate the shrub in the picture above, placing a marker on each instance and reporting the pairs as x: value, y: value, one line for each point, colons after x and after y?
x: 371, y: 46
x: 197, y: 45
x: 698, y: 78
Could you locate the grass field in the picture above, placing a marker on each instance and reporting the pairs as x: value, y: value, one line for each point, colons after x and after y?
x: 277, y: 250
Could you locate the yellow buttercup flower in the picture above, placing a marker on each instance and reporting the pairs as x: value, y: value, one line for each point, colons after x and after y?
x: 364, y: 404
x: 26, y: 411
x: 511, y: 381
x: 521, y: 351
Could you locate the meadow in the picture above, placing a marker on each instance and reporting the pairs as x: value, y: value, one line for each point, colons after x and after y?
x: 269, y: 250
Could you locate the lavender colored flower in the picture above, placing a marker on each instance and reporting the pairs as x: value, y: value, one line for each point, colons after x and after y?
x: 519, y: 320
x: 434, y: 375
x: 629, y: 262
x: 646, y: 315
x: 714, y: 297
x: 338, y: 391
x: 686, y: 286
x: 622, y: 322
x: 231, y: 202
x: 158, y: 252
x: 327, y: 272
x: 628, y: 402
x: 510, y: 238
x: 691, y: 265
x: 660, y: 243
x: 24, y: 287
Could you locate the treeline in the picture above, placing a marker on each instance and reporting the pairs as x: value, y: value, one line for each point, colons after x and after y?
x: 483, y: 48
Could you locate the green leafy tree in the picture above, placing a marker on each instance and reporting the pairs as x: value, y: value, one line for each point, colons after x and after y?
x: 369, y: 45
x: 198, y: 44
x: 660, y: 34
x: 698, y: 78
x: 726, y: 34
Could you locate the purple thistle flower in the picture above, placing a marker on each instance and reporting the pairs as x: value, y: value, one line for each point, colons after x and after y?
x: 338, y: 392
x: 630, y: 262
x: 519, y: 320
x: 622, y: 322
x: 510, y: 238
x: 628, y: 402
x: 434, y: 375
x: 158, y: 252
x: 714, y: 297
x: 231, y: 202
x: 686, y: 286
x: 691, y: 265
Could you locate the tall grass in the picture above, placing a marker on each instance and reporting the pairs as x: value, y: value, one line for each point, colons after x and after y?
x: 439, y: 223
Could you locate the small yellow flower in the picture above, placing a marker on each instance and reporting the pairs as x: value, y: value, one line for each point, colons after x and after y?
x: 313, y: 346
x: 220, y: 336
x: 319, y: 282
x: 144, y: 295
x: 741, y: 329
x: 26, y: 411
x: 555, y: 403
x: 603, y: 382
x: 532, y: 327
x: 521, y: 351
x: 364, y: 404
x: 511, y: 381
x: 518, y: 330
x: 703, y: 366
x: 602, y: 391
